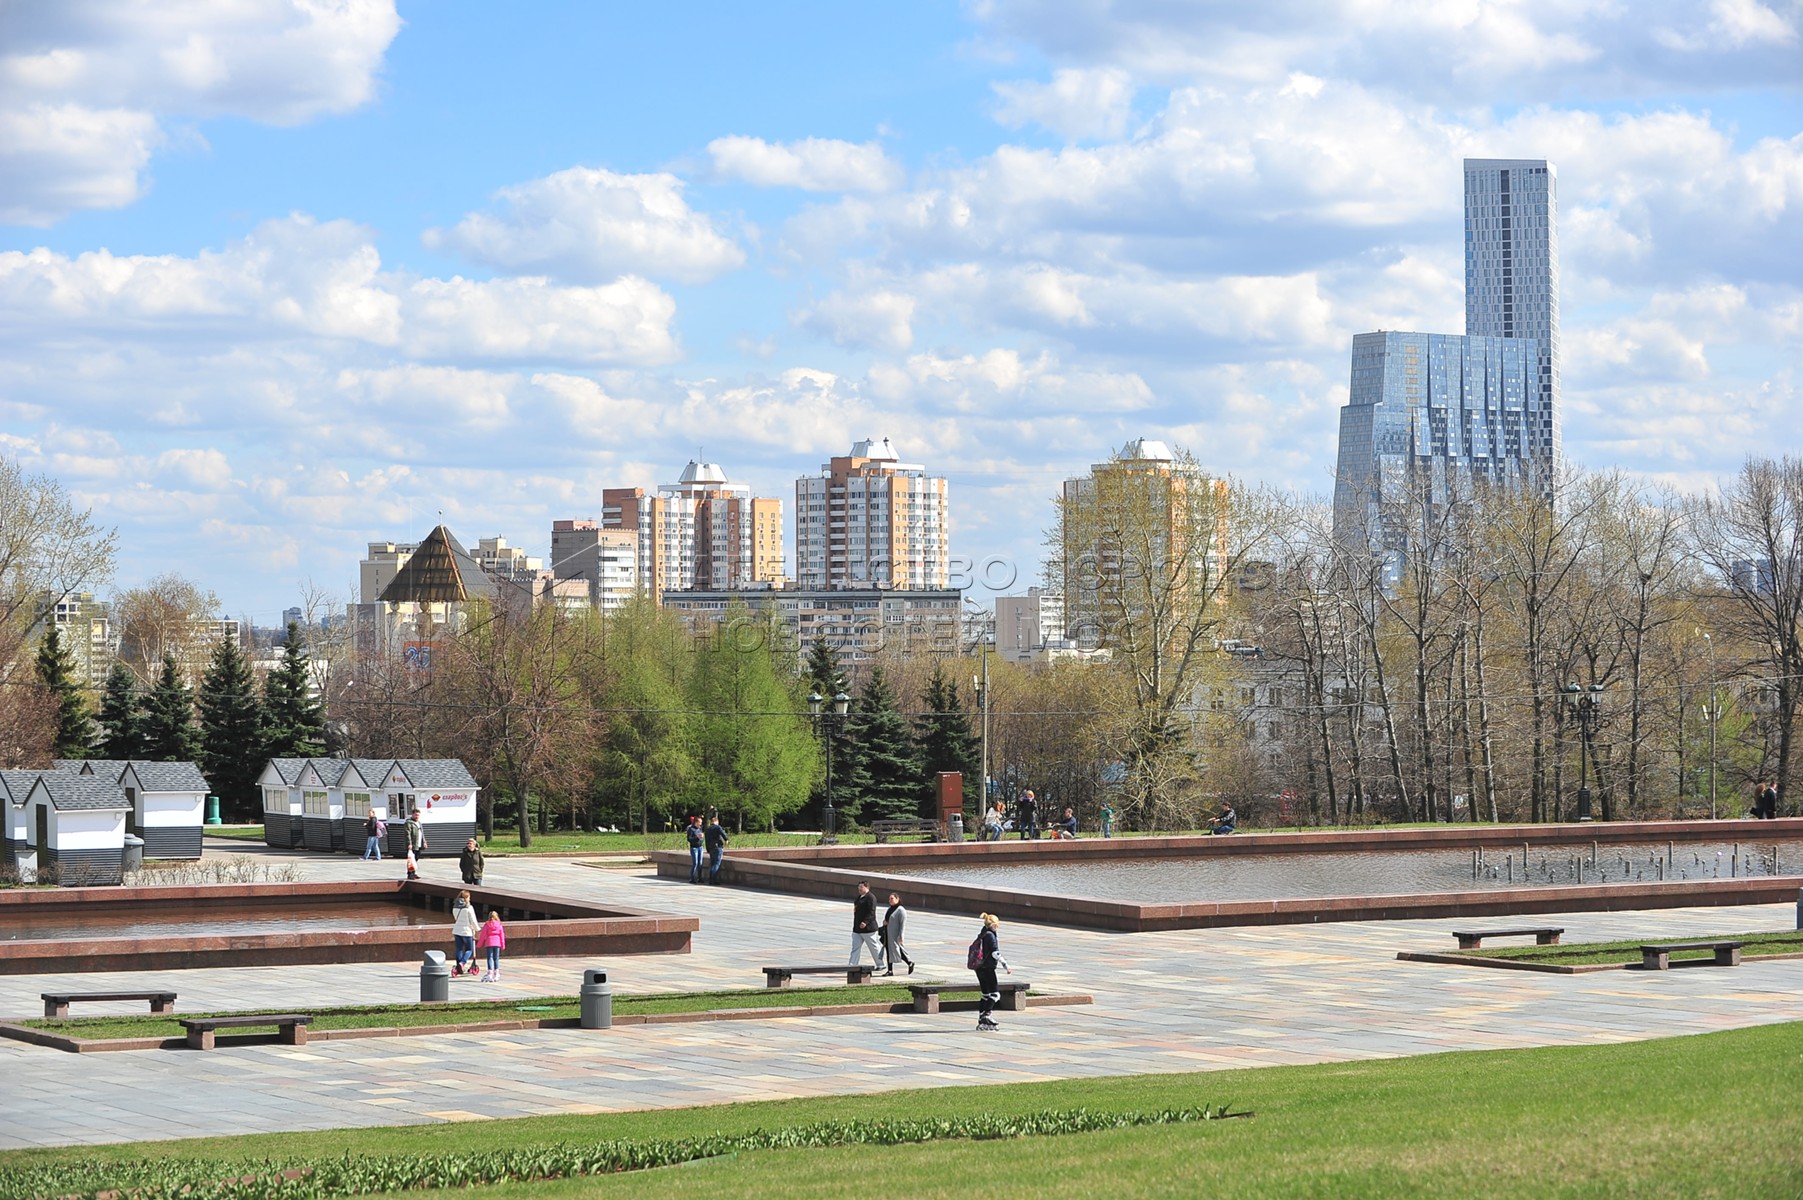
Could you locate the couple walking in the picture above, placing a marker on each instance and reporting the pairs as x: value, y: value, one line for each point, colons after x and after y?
x: 884, y: 936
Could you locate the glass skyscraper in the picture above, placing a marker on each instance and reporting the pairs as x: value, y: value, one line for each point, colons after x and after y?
x: 1428, y: 409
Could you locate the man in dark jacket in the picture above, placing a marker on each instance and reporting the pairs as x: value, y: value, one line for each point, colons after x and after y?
x: 716, y: 849
x: 863, y: 928
x: 471, y: 862
x: 1028, y: 816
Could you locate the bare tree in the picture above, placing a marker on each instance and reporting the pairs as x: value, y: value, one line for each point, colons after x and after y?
x: 165, y: 616
x: 1750, y: 538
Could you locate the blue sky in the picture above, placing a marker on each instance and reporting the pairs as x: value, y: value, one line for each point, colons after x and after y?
x: 281, y: 277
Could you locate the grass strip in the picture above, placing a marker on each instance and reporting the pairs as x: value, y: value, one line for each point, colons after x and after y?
x: 1712, y: 1115
x: 1576, y: 954
x: 394, y: 1016
x: 365, y: 1175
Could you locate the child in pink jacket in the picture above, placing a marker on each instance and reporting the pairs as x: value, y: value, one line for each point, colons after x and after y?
x: 492, y: 939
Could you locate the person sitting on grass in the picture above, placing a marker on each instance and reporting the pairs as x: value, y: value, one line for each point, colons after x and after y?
x: 1065, y: 826
x: 1228, y: 820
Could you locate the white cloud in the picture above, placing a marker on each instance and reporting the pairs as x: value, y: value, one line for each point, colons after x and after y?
x: 812, y: 164
x: 85, y: 87
x: 879, y: 319
x: 300, y: 277
x: 592, y: 225
x: 1076, y: 104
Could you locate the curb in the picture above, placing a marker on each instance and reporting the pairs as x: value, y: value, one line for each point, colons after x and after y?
x: 55, y: 1041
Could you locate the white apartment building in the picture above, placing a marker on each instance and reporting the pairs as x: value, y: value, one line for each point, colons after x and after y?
x: 606, y: 560
x: 869, y: 520
x: 703, y: 531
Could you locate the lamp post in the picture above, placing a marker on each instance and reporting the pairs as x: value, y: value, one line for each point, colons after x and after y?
x: 1586, y: 705
x: 826, y: 719
x: 981, y: 685
x: 1713, y: 711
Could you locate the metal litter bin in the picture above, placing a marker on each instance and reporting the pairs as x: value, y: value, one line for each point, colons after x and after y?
x: 133, y: 859
x: 954, y: 827
x: 434, y: 979
x: 597, y: 1000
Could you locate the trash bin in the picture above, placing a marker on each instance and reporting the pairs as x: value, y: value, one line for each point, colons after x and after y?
x: 133, y: 859
x: 597, y: 1000
x: 954, y: 827
x: 213, y: 811
x: 434, y: 979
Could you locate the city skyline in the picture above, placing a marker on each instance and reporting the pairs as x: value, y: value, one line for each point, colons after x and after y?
x: 279, y: 281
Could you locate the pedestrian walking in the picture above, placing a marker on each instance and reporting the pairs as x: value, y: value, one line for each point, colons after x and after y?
x: 492, y: 940
x: 716, y: 849
x: 470, y: 861
x: 374, y: 830
x: 893, y: 922
x: 464, y: 929
x: 416, y: 843
x: 863, y: 928
x: 985, y: 956
x: 697, y: 840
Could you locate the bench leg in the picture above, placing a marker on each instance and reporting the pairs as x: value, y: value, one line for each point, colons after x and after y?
x: 1656, y: 962
x: 928, y: 1003
x: 162, y: 1006
x: 200, y: 1039
x: 856, y: 976
x: 1728, y: 956
x: 1014, y: 1001
x: 1547, y: 939
x: 1470, y: 943
x: 294, y: 1035
x: 53, y: 1009
x: 774, y: 979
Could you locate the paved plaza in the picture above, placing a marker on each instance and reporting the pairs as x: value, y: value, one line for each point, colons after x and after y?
x: 1187, y: 1000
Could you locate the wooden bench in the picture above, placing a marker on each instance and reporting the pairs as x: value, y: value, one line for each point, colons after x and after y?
x: 926, y: 995
x: 778, y: 977
x: 290, y: 1027
x: 1659, y: 958
x: 56, y: 1004
x: 884, y: 830
x: 1474, y: 938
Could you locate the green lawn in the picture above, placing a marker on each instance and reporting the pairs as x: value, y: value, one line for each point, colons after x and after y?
x: 470, y: 1011
x: 1715, y: 1115
x: 1576, y: 954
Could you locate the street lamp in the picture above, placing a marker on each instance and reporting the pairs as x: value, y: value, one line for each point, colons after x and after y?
x: 1586, y: 705
x: 980, y: 684
x: 1714, y: 712
x: 825, y: 720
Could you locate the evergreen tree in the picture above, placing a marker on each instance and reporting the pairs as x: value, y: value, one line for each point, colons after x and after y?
x: 294, y: 724
x: 169, y: 733
x: 56, y: 671
x: 884, y: 780
x: 944, y: 735
x: 231, y: 726
x: 122, y: 717
x: 754, y: 752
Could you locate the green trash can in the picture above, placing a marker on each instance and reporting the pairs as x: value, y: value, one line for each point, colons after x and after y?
x: 213, y: 811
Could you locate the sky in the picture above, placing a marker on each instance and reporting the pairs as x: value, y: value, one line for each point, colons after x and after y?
x: 282, y: 277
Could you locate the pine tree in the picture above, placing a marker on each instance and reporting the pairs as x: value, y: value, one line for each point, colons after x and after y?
x: 122, y: 717
x: 294, y: 725
x: 885, y: 775
x: 944, y: 736
x: 231, y: 725
x: 56, y: 671
x: 169, y: 733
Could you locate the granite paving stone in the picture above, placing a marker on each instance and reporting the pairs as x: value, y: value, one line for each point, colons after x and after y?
x: 1179, y: 1000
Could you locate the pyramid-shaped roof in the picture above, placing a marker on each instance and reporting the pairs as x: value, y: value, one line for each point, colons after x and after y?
x: 440, y: 572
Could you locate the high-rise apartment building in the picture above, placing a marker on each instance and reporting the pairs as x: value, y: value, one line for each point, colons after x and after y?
x: 1428, y: 411
x: 702, y: 531
x: 606, y: 559
x: 869, y: 520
